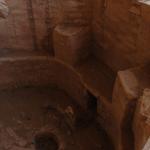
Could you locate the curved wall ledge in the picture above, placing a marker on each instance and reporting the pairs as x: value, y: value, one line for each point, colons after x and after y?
x: 41, y: 71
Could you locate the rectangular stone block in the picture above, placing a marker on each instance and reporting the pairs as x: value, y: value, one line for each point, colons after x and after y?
x: 71, y: 44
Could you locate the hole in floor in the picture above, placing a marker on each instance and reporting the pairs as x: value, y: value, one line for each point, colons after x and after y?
x: 46, y: 141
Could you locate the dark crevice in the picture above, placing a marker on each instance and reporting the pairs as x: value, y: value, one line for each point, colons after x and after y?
x: 127, y: 132
x: 46, y: 141
x: 32, y: 23
x: 91, y: 103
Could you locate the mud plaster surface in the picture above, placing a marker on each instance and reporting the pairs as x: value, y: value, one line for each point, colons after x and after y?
x: 25, y: 112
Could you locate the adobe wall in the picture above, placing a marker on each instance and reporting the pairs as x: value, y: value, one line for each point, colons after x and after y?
x: 121, y: 32
x: 30, y: 23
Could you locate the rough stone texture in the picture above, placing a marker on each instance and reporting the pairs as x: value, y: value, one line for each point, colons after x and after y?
x: 3, y: 9
x: 142, y: 122
x: 71, y: 43
x: 72, y: 38
x: 121, y: 40
x: 33, y: 114
x: 123, y: 105
x: 76, y: 12
x: 30, y: 23
x: 117, y: 116
x: 121, y: 32
x: 147, y: 145
x: 41, y: 71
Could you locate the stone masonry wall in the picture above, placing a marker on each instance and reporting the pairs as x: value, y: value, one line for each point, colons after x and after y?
x: 30, y: 23
x: 121, y: 32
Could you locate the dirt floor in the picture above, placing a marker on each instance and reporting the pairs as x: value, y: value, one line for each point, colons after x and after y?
x: 44, y: 119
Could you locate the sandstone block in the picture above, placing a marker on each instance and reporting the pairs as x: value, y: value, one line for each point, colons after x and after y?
x: 141, y: 124
x: 71, y: 44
